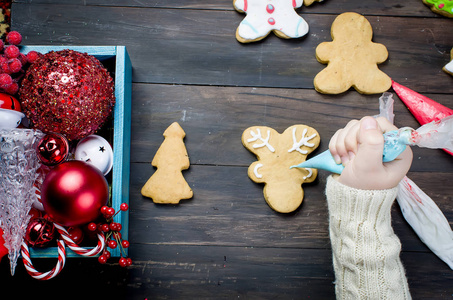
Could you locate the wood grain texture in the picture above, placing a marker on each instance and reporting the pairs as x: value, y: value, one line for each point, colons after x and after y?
x: 226, y: 242
x: 412, y: 8
x: 231, y: 110
x: 182, y: 46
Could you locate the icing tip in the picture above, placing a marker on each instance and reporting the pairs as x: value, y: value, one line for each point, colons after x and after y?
x: 323, y: 161
x: 301, y: 165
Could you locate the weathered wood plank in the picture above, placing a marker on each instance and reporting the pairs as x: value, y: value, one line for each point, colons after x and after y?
x: 215, y: 117
x: 193, y: 272
x: 178, y: 46
x: 237, y: 272
x: 382, y: 8
x: 229, y: 209
x: 261, y: 273
x: 182, y: 272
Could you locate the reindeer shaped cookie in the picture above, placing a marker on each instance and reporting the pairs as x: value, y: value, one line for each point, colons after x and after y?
x: 276, y: 153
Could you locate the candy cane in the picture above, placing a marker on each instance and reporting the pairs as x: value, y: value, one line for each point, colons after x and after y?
x: 47, y: 275
x: 66, y: 240
x: 80, y: 250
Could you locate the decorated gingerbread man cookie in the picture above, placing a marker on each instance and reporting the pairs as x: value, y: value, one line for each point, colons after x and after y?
x: 448, y: 68
x: 352, y: 58
x: 264, y: 16
x: 441, y: 7
x: 276, y: 153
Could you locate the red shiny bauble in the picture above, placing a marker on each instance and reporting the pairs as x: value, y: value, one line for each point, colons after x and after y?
x: 52, y: 149
x: 76, y: 234
x: 73, y: 193
x: 40, y: 232
x: 10, y: 112
x: 9, y: 102
x: 67, y: 92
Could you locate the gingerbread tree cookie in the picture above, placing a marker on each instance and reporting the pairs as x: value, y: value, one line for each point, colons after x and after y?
x: 352, y: 58
x: 167, y: 184
x: 263, y: 17
x: 276, y: 153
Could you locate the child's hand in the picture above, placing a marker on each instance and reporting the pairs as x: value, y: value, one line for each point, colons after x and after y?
x: 359, y: 147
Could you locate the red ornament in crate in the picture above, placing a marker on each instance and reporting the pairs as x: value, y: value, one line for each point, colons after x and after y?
x: 53, y: 149
x: 73, y: 193
x: 40, y: 232
x: 10, y: 112
x: 67, y: 92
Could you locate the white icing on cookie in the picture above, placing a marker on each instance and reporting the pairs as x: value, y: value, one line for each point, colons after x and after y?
x: 310, y: 173
x: 264, y: 16
x: 449, y: 67
x: 255, y: 171
x: 265, y: 141
x: 303, y: 142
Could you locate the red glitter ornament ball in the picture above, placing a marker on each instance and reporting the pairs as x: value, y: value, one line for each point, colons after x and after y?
x: 67, y: 92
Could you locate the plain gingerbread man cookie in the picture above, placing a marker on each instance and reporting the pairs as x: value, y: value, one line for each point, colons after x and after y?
x: 265, y: 16
x: 276, y: 153
x: 352, y: 58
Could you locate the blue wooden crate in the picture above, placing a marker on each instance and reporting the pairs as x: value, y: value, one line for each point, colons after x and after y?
x: 121, y: 134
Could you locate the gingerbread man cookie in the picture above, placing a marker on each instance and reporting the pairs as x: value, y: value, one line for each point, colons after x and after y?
x: 276, y: 153
x: 448, y: 68
x: 441, y: 7
x: 265, y: 16
x: 352, y: 58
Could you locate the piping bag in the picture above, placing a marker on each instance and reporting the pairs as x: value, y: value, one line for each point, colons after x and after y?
x: 418, y: 209
x: 435, y: 135
x: 424, y: 109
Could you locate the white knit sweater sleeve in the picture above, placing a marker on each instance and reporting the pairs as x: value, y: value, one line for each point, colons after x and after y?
x: 365, y: 249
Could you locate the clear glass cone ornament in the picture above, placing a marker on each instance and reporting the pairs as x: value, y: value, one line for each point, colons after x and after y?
x: 18, y: 166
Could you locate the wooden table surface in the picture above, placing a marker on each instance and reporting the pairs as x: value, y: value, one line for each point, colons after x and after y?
x: 226, y: 242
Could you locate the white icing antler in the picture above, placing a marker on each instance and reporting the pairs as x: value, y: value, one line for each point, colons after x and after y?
x: 303, y: 141
x: 257, y: 136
